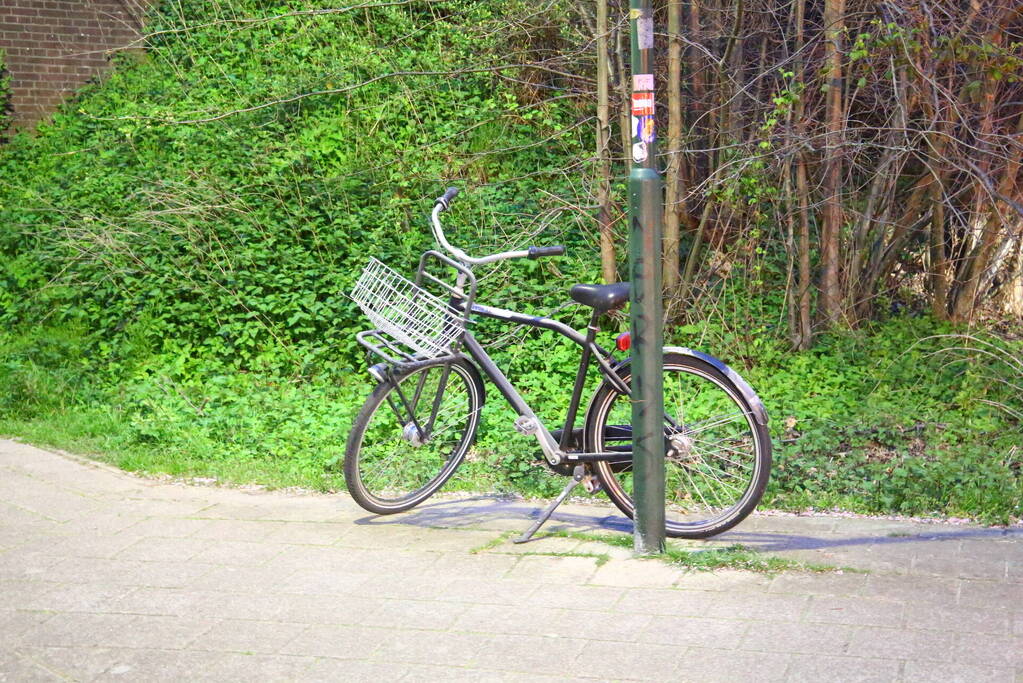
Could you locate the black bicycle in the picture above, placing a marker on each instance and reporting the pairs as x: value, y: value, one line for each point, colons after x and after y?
x: 417, y: 425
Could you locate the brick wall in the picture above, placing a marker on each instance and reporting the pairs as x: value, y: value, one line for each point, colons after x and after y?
x: 54, y: 46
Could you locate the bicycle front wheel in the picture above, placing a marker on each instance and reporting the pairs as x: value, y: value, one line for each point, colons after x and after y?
x: 718, y: 456
x: 411, y: 435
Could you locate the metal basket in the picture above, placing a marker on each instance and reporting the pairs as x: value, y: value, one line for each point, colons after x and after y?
x: 406, y: 311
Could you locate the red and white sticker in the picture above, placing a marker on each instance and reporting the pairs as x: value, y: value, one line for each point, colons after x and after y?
x: 643, y: 82
x: 642, y: 104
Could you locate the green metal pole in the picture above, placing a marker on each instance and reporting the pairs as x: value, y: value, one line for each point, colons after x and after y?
x: 645, y: 274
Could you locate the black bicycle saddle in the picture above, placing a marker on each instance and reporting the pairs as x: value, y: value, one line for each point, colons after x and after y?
x: 601, y: 297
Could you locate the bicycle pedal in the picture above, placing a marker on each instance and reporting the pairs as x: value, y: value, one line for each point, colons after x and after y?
x: 592, y: 484
x: 525, y: 425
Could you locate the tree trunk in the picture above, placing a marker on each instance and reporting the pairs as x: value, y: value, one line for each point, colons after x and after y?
x: 607, y: 248
x: 831, y: 291
x: 673, y: 191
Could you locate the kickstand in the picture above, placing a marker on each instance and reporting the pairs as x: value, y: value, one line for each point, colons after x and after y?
x: 577, y: 476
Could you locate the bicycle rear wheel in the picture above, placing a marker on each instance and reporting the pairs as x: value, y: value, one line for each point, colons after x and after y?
x: 718, y: 455
x: 411, y: 435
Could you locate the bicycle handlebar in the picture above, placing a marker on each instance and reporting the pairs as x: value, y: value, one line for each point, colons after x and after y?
x: 444, y: 201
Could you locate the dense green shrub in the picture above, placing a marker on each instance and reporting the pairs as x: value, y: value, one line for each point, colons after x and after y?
x: 173, y: 275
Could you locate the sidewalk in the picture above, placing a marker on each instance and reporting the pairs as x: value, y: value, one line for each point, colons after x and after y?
x: 107, y: 576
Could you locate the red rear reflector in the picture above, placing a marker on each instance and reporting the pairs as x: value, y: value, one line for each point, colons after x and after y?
x: 623, y: 341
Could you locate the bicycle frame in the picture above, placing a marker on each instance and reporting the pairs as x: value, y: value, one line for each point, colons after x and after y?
x: 528, y: 423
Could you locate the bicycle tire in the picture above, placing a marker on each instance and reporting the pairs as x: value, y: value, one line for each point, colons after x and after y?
x: 409, y: 468
x: 705, y: 493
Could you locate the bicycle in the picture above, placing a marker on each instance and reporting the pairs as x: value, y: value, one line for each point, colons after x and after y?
x: 419, y: 422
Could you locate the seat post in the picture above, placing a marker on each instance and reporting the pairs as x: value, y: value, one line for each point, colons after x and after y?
x: 580, y: 381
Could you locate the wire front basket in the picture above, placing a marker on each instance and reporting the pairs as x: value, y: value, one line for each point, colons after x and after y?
x: 406, y: 311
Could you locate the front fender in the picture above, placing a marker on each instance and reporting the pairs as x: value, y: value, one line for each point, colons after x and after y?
x: 759, y: 411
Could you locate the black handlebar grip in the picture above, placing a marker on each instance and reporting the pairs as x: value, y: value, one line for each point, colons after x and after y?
x: 538, y: 252
x: 445, y: 200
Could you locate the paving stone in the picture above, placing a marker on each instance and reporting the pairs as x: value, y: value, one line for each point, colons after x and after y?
x: 896, y: 643
x: 918, y: 589
x: 339, y: 642
x: 956, y: 618
x: 694, y: 631
x: 986, y: 650
x: 430, y: 647
x: 160, y: 580
x: 264, y: 637
x: 956, y: 673
x: 599, y: 598
x: 558, y: 570
x: 636, y: 573
x: 640, y: 661
x: 991, y: 594
x: 706, y: 664
x: 828, y: 583
x: 857, y: 611
x: 811, y: 668
x: 529, y: 653
x: 74, y: 663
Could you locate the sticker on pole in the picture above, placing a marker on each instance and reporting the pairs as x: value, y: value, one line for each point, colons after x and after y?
x: 644, y: 128
x: 642, y: 104
x: 643, y: 82
x: 645, y: 32
x: 639, y: 152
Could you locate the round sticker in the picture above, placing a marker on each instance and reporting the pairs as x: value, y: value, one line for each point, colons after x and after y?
x: 639, y: 152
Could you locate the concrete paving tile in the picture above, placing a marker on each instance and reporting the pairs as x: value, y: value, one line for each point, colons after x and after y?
x: 15, y: 623
x: 423, y: 673
x: 420, y: 614
x: 429, y: 647
x: 157, y: 602
x: 328, y: 609
x: 481, y: 591
x: 70, y: 663
x: 77, y: 597
x: 636, y: 573
x: 855, y: 610
x: 529, y: 653
x: 954, y: 618
x: 1017, y: 624
x: 554, y: 569
x: 17, y: 667
x: 239, y: 553
x: 707, y: 664
x: 510, y: 620
x: 24, y: 593
x: 927, y: 590
x: 25, y: 565
x: 307, y: 533
x: 897, y: 643
x: 166, y: 527
x: 639, y: 661
x: 990, y: 594
x: 810, y: 583
x: 81, y: 629
x: 398, y: 562
x: 986, y: 650
x: 241, y: 579
x: 599, y: 598
x: 544, y: 544
x: 479, y: 565
x: 955, y: 673
x: 154, y: 549
x: 724, y: 580
x: 339, y: 642
x: 87, y: 545
x: 618, y: 627
x: 961, y: 567
x: 235, y: 529
x: 694, y: 631
x: 813, y: 668
x: 203, y: 666
x: 259, y: 607
x: 759, y: 606
x: 673, y: 602
x: 772, y: 636
x: 331, y: 558
x: 263, y: 637
x: 323, y: 582
x: 127, y: 572
x: 330, y: 669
